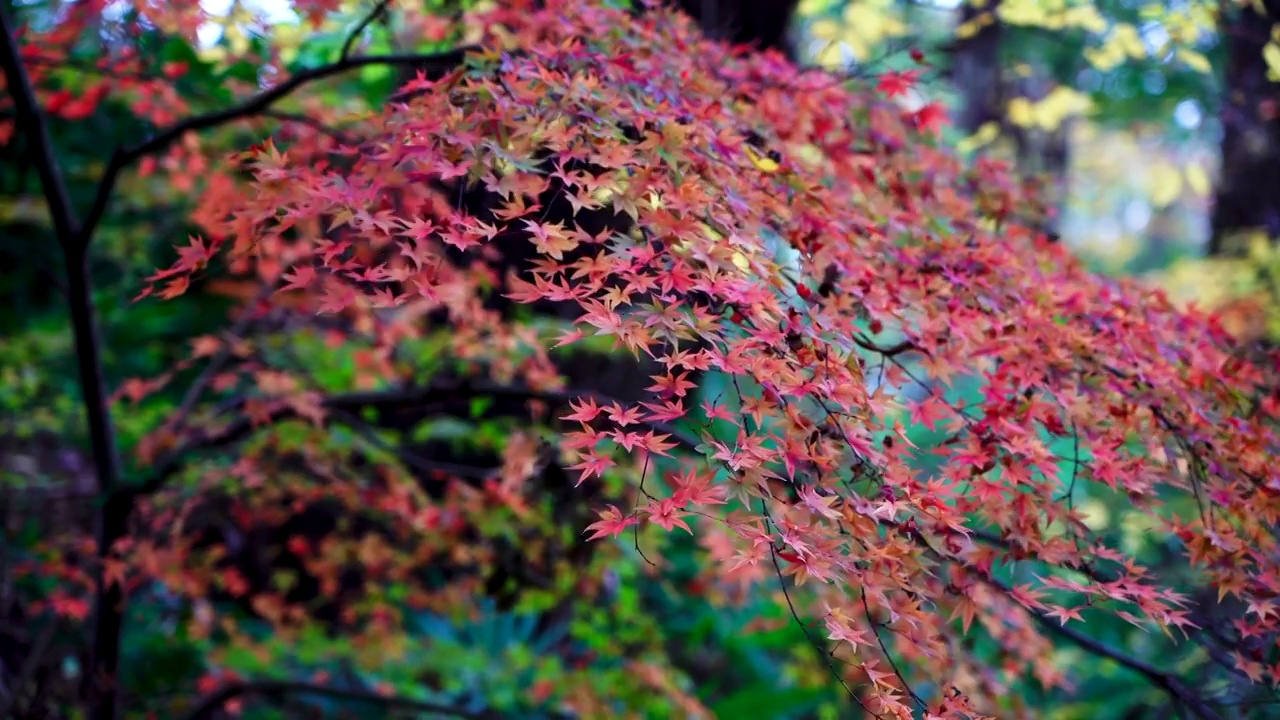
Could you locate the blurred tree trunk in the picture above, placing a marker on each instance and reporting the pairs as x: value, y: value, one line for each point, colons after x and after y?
x: 762, y: 23
x: 978, y: 70
x: 977, y: 73
x: 1248, y: 193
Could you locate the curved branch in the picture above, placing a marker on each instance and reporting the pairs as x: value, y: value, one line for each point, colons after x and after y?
x: 1169, y: 682
x: 211, y: 703
x: 377, y: 11
x: 905, y: 346
x: 1166, y: 681
x: 314, y: 124
x: 439, y: 397
x: 31, y: 122
x: 434, y: 64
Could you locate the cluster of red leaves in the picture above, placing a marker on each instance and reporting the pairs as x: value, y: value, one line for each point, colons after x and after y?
x: 808, y: 242
x: 71, y: 87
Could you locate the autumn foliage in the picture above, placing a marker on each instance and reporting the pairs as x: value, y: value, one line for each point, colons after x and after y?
x: 800, y: 242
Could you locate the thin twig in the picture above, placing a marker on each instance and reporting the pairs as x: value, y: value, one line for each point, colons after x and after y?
x: 795, y: 616
x: 350, y: 42
x: 875, y: 630
x: 179, y: 415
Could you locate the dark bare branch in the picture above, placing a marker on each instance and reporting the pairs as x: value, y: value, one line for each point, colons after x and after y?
x: 434, y: 64
x: 208, y: 706
x: 440, y: 398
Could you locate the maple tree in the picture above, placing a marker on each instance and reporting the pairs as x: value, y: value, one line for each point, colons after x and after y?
x: 798, y: 268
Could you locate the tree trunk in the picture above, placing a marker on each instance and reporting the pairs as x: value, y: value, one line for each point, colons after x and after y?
x: 978, y: 72
x: 1248, y: 193
x: 761, y: 23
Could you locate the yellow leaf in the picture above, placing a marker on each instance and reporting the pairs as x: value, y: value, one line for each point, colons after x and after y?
x: 1086, y: 17
x: 1197, y: 179
x: 810, y: 154
x: 1271, y: 54
x: 216, y: 54
x: 824, y: 29
x: 1105, y: 58
x: 966, y: 30
x: 1094, y: 514
x: 809, y: 8
x: 1260, y: 247
x: 1153, y: 11
x: 834, y: 55
x: 1021, y: 112
x: 762, y: 162
x: 984, y: 136
x: 1126, y: 37
x: 1166, y: 185
x: 1195, y: 61
x: 1022, y: 12
x: 1062, y: 102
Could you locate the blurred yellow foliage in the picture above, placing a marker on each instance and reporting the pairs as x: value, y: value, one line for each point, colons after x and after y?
x: 1052, y: 15
x: 863, y: 25
x: 1164, y: 184
x: 1198, y: 179
x: 984, y: 136
x: 1243, y: 290
x: 1271, y: 54
x: 1047, y: 114
x: 1195, y: 60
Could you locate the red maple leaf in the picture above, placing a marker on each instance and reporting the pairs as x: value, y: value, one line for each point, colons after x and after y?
x: 897, y: 82
x: 930, y: 118
x: 612, y: 523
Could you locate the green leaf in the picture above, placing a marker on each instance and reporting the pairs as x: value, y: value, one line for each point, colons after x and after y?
x: 243, y: 70
x: 768, y: 702
x: 178, y: 50
x: 377, y: 83
x: 480, y: 405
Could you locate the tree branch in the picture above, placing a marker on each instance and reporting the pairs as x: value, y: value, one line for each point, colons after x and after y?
x: 314, y: 124
x: 31, y: 122
x: 436, y: 65
x: 905, y: 346
x: 1166, y: 681
x: 211, y: 703
x: 378, y: 10
x: 100, y: 677
x: 443, y: 397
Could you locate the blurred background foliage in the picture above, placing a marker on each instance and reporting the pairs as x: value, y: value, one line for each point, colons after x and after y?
x: 1121, y: 107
